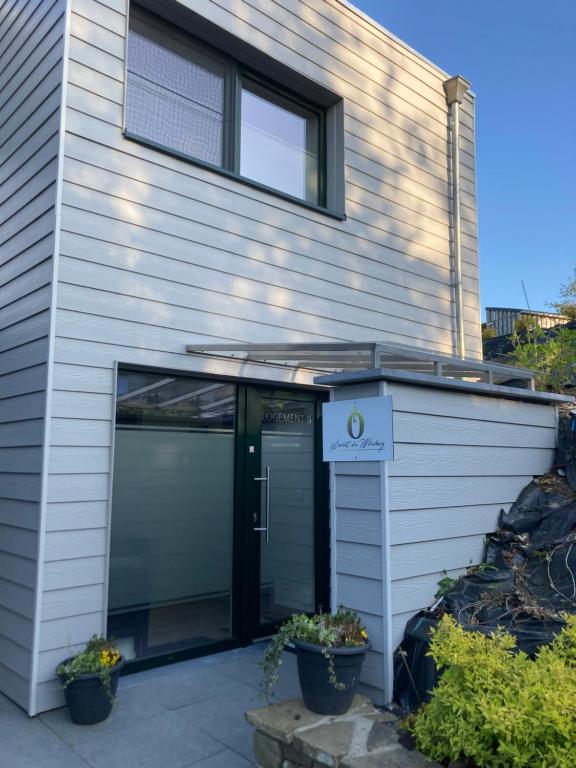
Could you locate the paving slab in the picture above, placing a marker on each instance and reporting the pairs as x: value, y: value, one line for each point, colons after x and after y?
x: 222, y: 717
x: 159, y: 742
x: 225, y: 759
x: 179, y: 691
x: 132, y: 706
x: 27, y: 743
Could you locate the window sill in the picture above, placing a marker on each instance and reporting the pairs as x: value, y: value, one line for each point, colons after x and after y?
x: 236, y: 177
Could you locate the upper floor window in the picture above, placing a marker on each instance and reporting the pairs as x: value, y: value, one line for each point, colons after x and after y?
x: 188, y: 98
x: 279, y: 142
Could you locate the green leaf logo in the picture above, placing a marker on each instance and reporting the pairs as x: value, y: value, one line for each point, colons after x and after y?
x: 355, y: 425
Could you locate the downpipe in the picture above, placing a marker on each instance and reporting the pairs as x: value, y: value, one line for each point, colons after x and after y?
x: 455, y: 90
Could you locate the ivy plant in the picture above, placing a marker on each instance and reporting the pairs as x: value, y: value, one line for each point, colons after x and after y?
x: 341, y: 629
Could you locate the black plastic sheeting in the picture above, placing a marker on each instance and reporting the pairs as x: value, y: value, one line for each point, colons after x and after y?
x: 566, y: 453
x: 527, y: 580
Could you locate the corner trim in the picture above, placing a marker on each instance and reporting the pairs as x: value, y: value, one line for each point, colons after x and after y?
x: 385, y: 554
x: 35, y: 651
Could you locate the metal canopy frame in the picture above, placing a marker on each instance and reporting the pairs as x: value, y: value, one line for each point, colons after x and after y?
x: 362, y: 356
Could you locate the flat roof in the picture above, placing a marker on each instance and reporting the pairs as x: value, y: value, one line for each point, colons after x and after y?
x: 438, y: 382
x: 524, y: 311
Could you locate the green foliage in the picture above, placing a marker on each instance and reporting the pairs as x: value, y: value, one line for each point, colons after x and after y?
x: 567, y: 304
x: 488, y: 332
x: 445, y: 584
x: 525, y: 324
x: 338, y: 630
x: 99, y: 657
x: 498, y: 707
x: 551, y: 356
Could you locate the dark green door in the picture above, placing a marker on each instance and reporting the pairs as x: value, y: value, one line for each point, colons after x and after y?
x: 284, y: 508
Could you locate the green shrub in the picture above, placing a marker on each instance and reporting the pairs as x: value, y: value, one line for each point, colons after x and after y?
x: 497, y: 706
x: 551, y: 355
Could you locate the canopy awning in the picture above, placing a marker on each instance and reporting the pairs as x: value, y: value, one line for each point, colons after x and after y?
x: 358, y: 356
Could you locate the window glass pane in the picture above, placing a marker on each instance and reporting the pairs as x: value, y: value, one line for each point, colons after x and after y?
x: 278, y: 143
x: 174, y: 94
x: 287, y: 558
x: 172, y: 505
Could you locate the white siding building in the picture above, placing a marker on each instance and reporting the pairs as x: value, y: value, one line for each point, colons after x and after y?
x: 194, y: 173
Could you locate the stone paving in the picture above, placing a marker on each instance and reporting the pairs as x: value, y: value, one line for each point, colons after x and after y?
x: 178, y: 716
x: 192, y: 715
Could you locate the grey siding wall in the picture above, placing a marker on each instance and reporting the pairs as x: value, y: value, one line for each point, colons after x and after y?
x: 157, y: 253
x: 459, y: 460
x: 30, y: 91
x: 360, y: 561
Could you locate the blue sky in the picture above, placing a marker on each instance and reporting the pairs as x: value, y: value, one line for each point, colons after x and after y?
x: 520, y: 56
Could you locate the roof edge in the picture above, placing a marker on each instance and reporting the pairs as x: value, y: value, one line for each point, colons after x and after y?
x: 439, y: 382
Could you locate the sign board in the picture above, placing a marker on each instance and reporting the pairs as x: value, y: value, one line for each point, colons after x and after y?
x: 358, y: 430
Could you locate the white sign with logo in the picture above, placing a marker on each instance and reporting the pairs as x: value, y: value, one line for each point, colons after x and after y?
x: 358, y: 430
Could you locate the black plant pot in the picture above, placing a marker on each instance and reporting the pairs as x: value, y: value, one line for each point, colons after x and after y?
x: 319, y: 694
x: 88, y: 700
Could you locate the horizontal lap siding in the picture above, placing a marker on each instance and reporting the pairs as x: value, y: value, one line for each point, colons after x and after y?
x: 157, y: 254
x: 30, y: 73
x: 459, y: 460
x: 136, y: 196
x: 357, y: 556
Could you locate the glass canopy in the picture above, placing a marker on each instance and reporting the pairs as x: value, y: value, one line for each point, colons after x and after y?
x: 340, y: 357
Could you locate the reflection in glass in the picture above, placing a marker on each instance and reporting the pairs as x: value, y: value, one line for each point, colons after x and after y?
x: 171, y: 535
x: 287, y: 560
x: 278, y: 143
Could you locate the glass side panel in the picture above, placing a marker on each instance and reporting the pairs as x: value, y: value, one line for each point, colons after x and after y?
x: 287, y: 559
x: 278, y: 143
x: 172, y: 507
x: 174, y: 93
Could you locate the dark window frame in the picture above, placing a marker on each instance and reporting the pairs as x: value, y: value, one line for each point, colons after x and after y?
x: 328, y: 111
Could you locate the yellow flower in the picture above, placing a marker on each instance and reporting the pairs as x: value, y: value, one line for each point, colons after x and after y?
x: 109, y: 657
x: 364, y: 634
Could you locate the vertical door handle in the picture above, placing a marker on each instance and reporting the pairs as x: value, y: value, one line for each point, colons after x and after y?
x: 266, y: 479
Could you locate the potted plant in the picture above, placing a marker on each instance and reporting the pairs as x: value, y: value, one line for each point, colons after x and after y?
x: 90, y: 681
x: 330, y: 650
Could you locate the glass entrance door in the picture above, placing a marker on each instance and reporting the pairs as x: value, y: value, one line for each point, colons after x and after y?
x: 286, y: 522
x: 219, y: 513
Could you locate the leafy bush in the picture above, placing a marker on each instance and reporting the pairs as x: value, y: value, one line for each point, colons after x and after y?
x: 497, y: 706
x: 341, y: 629
x: 551, y: 355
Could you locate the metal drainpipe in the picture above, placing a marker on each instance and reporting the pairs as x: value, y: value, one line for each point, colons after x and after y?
x: 455, y: 90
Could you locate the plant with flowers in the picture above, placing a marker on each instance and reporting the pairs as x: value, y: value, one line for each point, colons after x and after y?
x: 342, y: 629
x: 99, y: 657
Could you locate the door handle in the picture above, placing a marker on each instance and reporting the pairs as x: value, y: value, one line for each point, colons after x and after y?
x: 266, y: 479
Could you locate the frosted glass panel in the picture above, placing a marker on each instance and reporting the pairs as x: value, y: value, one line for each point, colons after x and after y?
x: 172, y: 509
x: 278, y: 144
x: 175, y: 97
x: 287, y: 559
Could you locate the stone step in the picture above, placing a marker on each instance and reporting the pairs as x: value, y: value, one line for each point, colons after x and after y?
x: 287, y: 735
